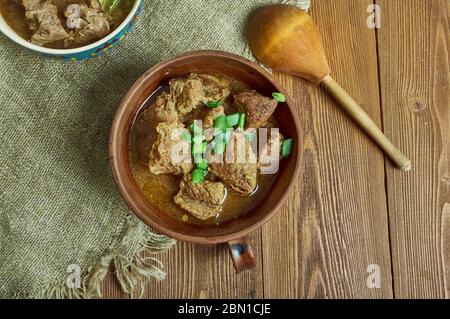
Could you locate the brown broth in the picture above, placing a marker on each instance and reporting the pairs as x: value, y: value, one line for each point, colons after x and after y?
x: 160, y: 190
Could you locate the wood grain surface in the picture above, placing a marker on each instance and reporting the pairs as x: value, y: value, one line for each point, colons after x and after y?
x: 415, y: 85
x: 351, y: 208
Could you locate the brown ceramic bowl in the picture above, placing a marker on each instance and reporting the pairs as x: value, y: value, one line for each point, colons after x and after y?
x: 233, y: 232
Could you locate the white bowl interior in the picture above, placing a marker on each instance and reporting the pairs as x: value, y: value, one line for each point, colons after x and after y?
x: 10, y: 33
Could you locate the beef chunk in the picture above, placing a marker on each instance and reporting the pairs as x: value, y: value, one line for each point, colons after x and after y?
x: 95, y: 5
x: 187, y: 94
x: 165, y: 110
x: 162, y: 110
x: 215, y: 88
x: 161, y: 154
x: 203, y: 200
x: 237, y: 167
x: 240, y: 177
x: 92, y: 25
x: 44, y: 21
x: 258, y: 107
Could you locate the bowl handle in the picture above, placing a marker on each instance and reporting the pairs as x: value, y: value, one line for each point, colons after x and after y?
x: 242, y: 254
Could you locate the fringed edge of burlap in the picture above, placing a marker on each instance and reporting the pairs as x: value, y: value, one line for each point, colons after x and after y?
x: 133, y: 269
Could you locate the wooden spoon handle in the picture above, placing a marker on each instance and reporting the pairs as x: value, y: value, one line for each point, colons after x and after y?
x: 366, y: 123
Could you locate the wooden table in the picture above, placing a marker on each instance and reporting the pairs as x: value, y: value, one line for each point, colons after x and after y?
x: 351, y: 208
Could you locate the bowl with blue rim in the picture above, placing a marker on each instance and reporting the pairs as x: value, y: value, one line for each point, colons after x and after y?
x: 91, y: 50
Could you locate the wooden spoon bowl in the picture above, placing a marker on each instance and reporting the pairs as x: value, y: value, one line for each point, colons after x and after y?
x: 286, y: 38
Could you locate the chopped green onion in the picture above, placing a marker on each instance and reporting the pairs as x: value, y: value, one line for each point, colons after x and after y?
x: 202, y: 163
x: 227, y: 136
x: 198, y: 158
x: 219, y: 148
x: 224, y: 136
x: 220, y: 122
x: 242, y: 118
x: 279, y: 97
x: 109, y: 5
x: 219, y: 138
x: 213, y: 104
x: 186, y: 136
x: 233, y: 119
x: 199, y: 148
x: 218, y: 132
x: 286, y: 147
x: 198, y: 139
x: 198, y: 175
x: 196, y: 129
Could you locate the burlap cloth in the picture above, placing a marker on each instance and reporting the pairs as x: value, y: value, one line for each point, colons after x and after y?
x: 60, y: 212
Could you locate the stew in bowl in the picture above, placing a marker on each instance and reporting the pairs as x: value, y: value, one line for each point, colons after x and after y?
x: 205, y: 147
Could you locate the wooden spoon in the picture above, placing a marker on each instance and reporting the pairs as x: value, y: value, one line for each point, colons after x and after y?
x: 286, y: 39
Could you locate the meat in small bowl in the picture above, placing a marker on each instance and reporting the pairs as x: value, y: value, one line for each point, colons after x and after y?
x: 72, y: 29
